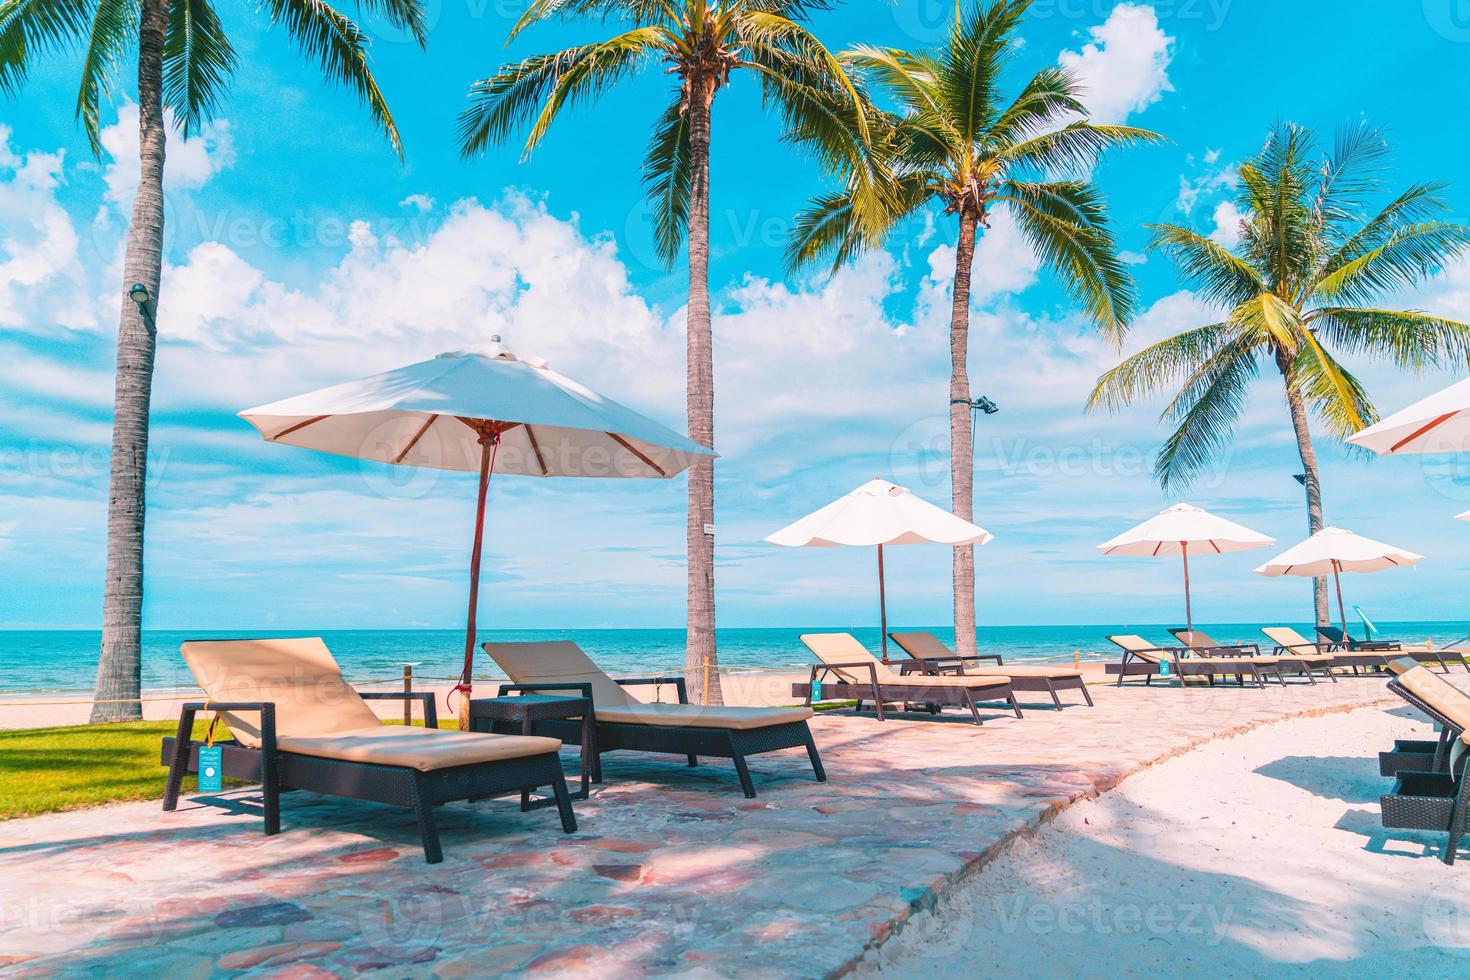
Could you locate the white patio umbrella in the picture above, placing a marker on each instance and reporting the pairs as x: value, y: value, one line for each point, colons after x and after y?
x: 479, y: 410
x: 1335, y: 550
x: 1437, y: 424
x: 1177, y: 530
x: 879, y: 513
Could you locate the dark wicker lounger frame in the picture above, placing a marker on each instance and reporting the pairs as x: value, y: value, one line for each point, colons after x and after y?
x: 1448, y: 730
x: 1348, y: 652
x: 686, y: 740
x: 879, y: 693
x: 1418, y: 800
x: 955, y: 667
x: 1182, y: 666
x: 279, y: 772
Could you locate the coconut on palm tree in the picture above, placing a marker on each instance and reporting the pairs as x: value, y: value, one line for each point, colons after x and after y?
x: 1298, y: 290
x: 960, y: 140
x: 184, y: 62
x: 700, y: 43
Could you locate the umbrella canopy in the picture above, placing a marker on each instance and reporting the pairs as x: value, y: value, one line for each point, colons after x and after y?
x: 1464, y: 515
x: 1437, y: 424
x: 432, y: 414
x: 879, y: 513
x: 485, y: 410
x: 1178, y: 531
x: 1333, y: 551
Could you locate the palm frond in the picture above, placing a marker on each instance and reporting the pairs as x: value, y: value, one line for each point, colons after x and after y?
x: 1408, y: 257
x: 1076, y: 145
x: 114, y: 28
x: 1419, y: 204
x: 1268, y: 319
x: 667, y: 177
x: 1207, y: 417
x: 341, y: 48
x: 37, y: 27
x: 1158, y: 366
x: 198, y: 61
x: 1210, y: 269
x: 1051, y: 94
x: 978, y: 49
x: 1065, y: 223
x: 1409, y: 338
x: 535, y: 90
x: 1336, y: 397
x: 635, y: 11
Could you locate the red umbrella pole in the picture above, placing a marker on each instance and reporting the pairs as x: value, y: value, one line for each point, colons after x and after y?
x: 489, y: 444
x: 1188, y: 612
x: 882, y: 605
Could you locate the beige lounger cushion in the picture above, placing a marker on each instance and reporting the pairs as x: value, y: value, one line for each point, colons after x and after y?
x: 1138, y: 647
x: 702, y: 716
x: 563, y: 662
x: 1434, y: 691
x: 843, y: 648
x: 299, y: 675
x: 424, y: 749
x: 1296, y: 644
x: 927, y: 646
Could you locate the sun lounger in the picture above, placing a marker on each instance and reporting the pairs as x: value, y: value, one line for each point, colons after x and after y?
x: 1438, y: 799
x: 1368, y: 648
x: 1294, y: 650
x: 848, y: 670
x: 298, y: 725
x: 1196, y: 641
x: 622, y: 722
x: 1141, y: 658
x: 926, y: 651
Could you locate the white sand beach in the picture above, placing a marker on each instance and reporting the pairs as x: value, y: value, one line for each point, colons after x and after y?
x: 1260, y: 854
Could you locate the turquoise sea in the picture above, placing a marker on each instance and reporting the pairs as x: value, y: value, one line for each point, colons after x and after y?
x: 65, y: 660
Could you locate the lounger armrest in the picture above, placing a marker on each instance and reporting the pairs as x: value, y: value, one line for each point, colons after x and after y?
x: 582, y: 690
x: 426, y: 698
x: 267, y: 711
x: 1373, y: 646
x: 677, y: 680
x: 941, y: 665
x: 1230, y: 649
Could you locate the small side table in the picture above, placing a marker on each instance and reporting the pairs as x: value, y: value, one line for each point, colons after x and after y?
x: 518, y: 714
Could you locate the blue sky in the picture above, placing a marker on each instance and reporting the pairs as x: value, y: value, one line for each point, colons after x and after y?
x: 300, y: 252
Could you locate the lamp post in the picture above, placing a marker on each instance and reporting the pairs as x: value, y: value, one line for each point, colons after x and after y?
x: 138, y: 293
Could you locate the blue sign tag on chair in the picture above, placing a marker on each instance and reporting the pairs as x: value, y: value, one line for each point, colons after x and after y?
x: 211, y: 769
x: 1164, y: 668
x: 816, y: 690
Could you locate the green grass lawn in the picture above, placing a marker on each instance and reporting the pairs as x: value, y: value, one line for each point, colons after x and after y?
x: 48, y: 769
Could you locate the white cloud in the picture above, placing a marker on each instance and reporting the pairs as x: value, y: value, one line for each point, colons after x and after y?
x: 42, y: 281
x: 1227, y: 218
x: 1192, y: 190
x: 1124, y: 67
x: 188, y: 163
x: 421, y: 202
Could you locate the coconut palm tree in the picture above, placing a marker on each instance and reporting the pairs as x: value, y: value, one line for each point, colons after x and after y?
x: 955, y: 140
x: 701, y: 43
x: 184, y: 63
x: 1296, y: 291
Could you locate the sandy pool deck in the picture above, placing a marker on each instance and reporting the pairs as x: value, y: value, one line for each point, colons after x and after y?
x: 671, y: 872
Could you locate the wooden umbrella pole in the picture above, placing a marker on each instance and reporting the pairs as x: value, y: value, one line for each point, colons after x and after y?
x: 1188, y: 611
x: 489, y: 444
x: 882, y: 605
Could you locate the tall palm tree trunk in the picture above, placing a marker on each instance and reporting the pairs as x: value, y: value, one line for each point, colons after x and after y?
x: 119, y: 673
x: 961, y: 462
x: 700, y: 665
x: 1313, y: 482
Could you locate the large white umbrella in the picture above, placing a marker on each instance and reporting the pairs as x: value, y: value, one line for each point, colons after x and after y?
x: 1178, y: 530
x: 1437, y: 424
x: 1335, y: 550
x: 879, y: 513
x: 479, y: 410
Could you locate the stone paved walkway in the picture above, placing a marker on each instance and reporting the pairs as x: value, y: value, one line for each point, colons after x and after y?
x: 673, y: 870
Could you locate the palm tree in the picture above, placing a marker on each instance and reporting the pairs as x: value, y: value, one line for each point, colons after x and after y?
x: 701, y: 43
x: 184, y: 63
x: 956, y: 141
x: 1311, y: 261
